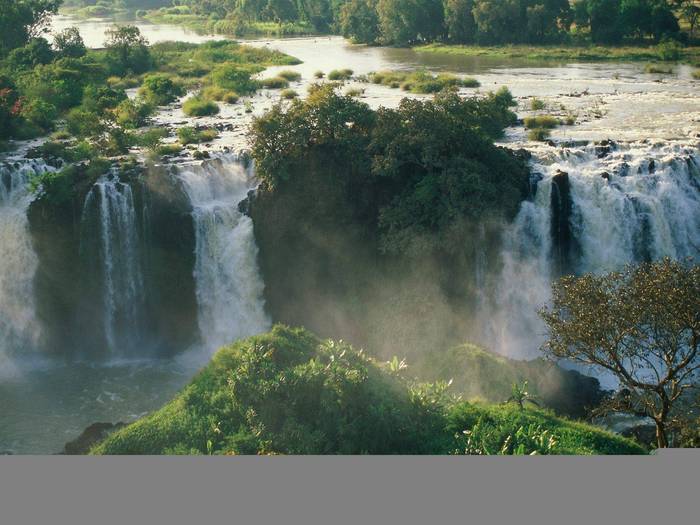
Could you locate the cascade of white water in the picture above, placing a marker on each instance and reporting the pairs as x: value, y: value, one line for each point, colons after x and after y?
x: 228, y: 283
x: 19, y: 328
x: 629, y: 203
x: 109, y: 212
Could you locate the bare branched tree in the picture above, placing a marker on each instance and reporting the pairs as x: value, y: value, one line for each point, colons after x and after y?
x: 641, y: 324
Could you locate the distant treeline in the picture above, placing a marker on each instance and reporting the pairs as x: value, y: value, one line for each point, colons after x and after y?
x: 457, y: 21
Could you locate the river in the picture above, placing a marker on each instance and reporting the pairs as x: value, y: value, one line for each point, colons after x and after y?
x: 654, y: 120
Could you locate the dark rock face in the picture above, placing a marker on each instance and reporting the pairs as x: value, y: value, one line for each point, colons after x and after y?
x: 563, y: 241
x: 68, y: 283
x: 90, y: 437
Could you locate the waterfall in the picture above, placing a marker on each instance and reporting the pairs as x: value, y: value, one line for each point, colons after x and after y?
x: 19, y: 328
x: 595, y: 209
x: 229, y: 285
x: 110, y: 251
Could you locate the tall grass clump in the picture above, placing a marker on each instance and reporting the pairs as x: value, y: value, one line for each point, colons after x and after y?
x: 340, y: 74
x: 274, y: 83
x: 290, y: 75
x: 541, y: 121
x: 199, y: 106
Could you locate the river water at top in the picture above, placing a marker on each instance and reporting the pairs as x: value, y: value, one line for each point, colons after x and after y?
x: 48, y: 404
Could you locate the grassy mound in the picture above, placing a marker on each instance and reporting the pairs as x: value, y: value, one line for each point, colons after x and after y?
x: 478, y: 373
x: 287, y: 392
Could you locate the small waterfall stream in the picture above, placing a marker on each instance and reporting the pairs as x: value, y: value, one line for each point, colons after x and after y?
x: 229, y: 285
x: 19, y: 328
x: 595, y: 209
x: 110, y: 249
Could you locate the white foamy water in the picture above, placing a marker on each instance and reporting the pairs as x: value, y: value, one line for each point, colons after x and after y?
x: 638, y: 202
x: 229, y: 285
x: 19, y: 329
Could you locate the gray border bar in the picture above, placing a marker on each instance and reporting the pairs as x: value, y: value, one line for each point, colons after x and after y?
x: 350, y: 490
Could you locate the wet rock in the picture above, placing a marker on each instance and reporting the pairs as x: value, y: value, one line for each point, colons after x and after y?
x: 605, y: 175
x: 652, y: 166
x: 90, y: 437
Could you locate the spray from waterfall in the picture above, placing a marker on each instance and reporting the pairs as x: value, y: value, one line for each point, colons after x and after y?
x: 110, y: 248
x: 627, y: 203
x: 229, y: 285
x: 20, y: 331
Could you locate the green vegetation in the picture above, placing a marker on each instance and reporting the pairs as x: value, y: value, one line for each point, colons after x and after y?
x: 538, y: 134
x: 562, y: 53
x: 198, y: 106
x: 40, y: 84
x: 421, y: 81
x: 274, y: 83
x: 478, y: 374
x: 340, y: 74
x: 289, y: 94
x: 422, y: 166
x: 640, y: 324
x: 287, y: 392
x: 290, y: 75
x: 696, y: 74
x: 541, y: 121
x: 190, y: 135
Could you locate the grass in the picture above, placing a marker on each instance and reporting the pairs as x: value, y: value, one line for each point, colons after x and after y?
x: 538, y: 134
x: 541, y: 121
x: 561, y: 53
x: 421, y: 82
x: 275, y: 83
x: 537, y: 104
x: 354, y: 92
x: 289, y: 94
x: 200, y: 107
x: 340, y: 74
x: 290, y: 75
x: 190, y: 135
x: 696, y: 74
x: 220, y: 94
x: 654, y: 69
x: 319, y: 74
x: 288, y: 392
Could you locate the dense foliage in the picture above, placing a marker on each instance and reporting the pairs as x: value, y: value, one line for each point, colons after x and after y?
x: 288, y: 392
x: 640, y: 324
x: 410, y: 173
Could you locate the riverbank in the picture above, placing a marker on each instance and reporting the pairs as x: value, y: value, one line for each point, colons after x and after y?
x: 663, y: 52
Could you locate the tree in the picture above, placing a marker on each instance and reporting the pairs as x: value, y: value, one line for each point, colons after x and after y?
x: 410, y: 21
x: 69, y: 43
x: 497, y: 20
x: 519, y: 395
x: 459, y: 20
x: 690, y: 12
x: 359, y: 21
x: 21, y: 20
x: 127, y: 50
x: 641, y: 324
x: 606, y: 23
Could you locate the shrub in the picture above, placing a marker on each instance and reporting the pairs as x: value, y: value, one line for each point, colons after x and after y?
x: 83, y: 124
x: 159, y: 89
x: 214, y: 93
x: 190, y: 135
x: 354, y: 92
x: 274, y: 83
x: 340, y: 74
x: 230, y: 97
x: 289, y: 94
x: 669, y: 50
x: 541, y: 121
x: 539, y: 134
x: 696, y: 74
x: 132, y: 114
x: 200, y: 107
x: 290, y: 75
x: 234, y: 77
x: 537, y: 104
x: 319, y: 74
x: 654, y: 69
x: 151, y: 138
x: 169, y: 150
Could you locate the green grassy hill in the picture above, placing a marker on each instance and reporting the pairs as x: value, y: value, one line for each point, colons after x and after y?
x: 287, y: 392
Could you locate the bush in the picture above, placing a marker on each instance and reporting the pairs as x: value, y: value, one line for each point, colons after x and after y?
x: 290, y: 75
x: 234, y: 77
x: 354, y: 92
x: 190, y: 135
x: 538, y: 134
x: 340, y: 74
x: 169, y: 150
x: 132, y: 114
x: 541, y: 121
x: 230, y: 97
x: 654, y: 69
x: 288, y: 94
x: 151, y: 138
x: 319, y: 74
x: 274, y: 83
x: 669, y: 50
x: 421, y: 82
x: 159, y: 89
x: 696, y: 74
x: 200, y: 107
x: 84, y: 124
x: 537, y: 104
